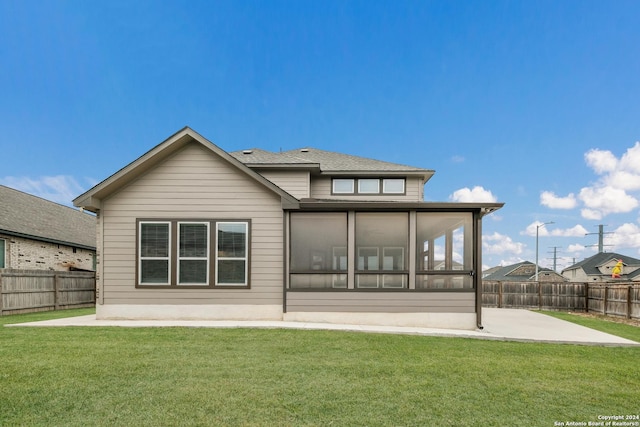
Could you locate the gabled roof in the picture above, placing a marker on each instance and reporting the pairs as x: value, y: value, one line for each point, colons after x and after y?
x: 590, y: 265
x: 509, y: 272
x: 91, y: 200
x: 28, y: 216
x: 327, y: 161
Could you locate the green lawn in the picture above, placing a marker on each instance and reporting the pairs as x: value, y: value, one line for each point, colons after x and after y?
x: 601, y: 323
x: 257, y: 377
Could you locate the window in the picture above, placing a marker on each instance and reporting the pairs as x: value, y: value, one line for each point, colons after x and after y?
x: 318, y: 250
x: 2, y: 252
x: 379, y: 186
x: 368, y: 186
x: 231, y: 255
x: 393, y: 186
x: 193, y: 251
x: 155, y: 244
x: 186, y: 253
x: 343, y: 186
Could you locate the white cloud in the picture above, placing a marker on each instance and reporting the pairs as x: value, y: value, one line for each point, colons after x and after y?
x: 630, y: 161
x: 531, y: 229
x: 624, y: 180
x: 60, y: 188
x: 625, y: 236
x: 549, y: 199
x: 601, y: 161
x: 475, y: 195
x: 497, y: 243
x: 575, y: 248
x: 612, y: 193
x: 457, y: 159
x: 604, y: 200
x: 575, y: 231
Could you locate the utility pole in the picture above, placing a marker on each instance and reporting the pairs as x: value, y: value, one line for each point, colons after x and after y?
x: 601, y: 234
x: 555, y: 256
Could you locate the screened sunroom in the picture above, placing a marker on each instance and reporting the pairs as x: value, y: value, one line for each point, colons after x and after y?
x: 411, y: 260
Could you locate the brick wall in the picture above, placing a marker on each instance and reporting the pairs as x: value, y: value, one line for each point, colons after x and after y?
x: 29, y: 254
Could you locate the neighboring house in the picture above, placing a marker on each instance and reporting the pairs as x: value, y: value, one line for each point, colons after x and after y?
x: 598, y: 268
x: 36, y: 234
x: 191, y: 231
x: 522, y: 272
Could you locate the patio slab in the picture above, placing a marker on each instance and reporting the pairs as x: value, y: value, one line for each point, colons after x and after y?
x: 499, y: 324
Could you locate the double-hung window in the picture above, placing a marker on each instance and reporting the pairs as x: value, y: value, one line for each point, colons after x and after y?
x: 231, y: 255
x: 193, y: 253
x: 186, y: 253
x: 154, y: 247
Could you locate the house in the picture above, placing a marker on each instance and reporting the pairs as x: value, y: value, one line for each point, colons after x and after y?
x: 36, y: 234
x: 524, y: 271
x: 598, y: 267
x: 190, y: 231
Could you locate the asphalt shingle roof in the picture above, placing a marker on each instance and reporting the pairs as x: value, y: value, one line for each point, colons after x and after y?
x: 329, y: 161
x: 30, y: 216
x: 590, y: 265
x: 505, y: 273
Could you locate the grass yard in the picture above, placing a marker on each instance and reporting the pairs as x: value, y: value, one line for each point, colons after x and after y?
x: 256, y: 377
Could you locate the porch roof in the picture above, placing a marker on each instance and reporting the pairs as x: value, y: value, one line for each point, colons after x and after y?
x: 331, y: 205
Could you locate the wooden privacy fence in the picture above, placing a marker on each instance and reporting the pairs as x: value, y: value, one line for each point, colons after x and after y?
x: 619, y: 299
x: 25, y: 291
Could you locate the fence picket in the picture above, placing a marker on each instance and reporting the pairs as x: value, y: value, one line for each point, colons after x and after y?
x: 24, y: 291
x: 620, y: 299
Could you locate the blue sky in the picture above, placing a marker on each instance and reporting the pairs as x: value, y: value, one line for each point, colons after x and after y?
x: 532, y: 103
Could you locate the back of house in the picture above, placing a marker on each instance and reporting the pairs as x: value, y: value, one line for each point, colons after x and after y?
x: 189, y: 231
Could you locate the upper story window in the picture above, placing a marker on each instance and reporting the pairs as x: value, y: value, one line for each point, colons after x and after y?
x: 343, y: 186
x: 359, y: 186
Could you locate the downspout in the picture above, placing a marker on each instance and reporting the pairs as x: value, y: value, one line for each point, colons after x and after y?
x: 285, y: 261
x: 477, y: 267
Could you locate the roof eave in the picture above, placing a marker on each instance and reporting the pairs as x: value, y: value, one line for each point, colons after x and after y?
x: 92, y: 199
x: 315, y: 204
x: 48, y: 240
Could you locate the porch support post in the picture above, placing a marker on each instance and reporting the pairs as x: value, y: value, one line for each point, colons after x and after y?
x: 477, y: 265
x: 351, y: 249
x: 412, y: 249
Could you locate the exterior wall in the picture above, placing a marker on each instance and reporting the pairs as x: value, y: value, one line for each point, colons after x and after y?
x: 27, y: 254
x: 382, y: 302
x: 321, y: 189
x: 295, y: 183
x: 418, y: 309
x: 193, y: 183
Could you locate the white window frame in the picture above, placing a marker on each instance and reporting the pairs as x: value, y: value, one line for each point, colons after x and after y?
x: 362, y: 180
x: 385, y: 190
x: 206, y: 257
x: 245, y: 258
x: 141, y: 258
x: 335, y: 190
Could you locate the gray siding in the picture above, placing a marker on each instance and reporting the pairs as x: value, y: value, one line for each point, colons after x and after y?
x: 192, y: 183
x: 295, y: 183
x: 382, y: 302
x: 321, y: 189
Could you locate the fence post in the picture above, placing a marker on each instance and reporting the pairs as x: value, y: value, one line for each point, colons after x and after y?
x: 56, y: 293
x: 499, y: 294
x: 539, y: 294
x: 629, y: 302
x: 605, y: 302
x: 586, y: 297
